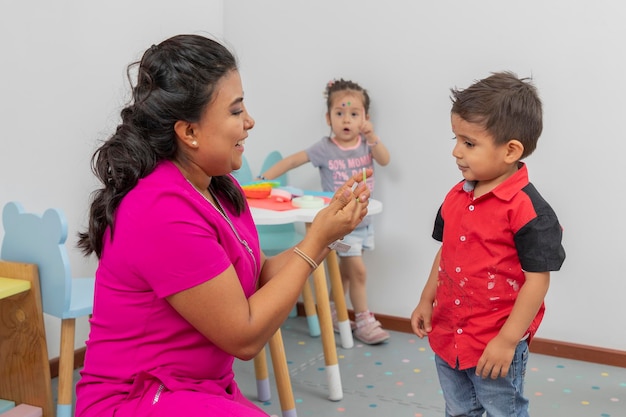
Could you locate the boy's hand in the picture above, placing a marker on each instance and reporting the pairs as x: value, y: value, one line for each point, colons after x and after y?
x: 421, y: 319
x: 496, y: 358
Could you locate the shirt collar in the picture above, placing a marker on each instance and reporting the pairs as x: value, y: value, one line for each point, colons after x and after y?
x: 507, y: 189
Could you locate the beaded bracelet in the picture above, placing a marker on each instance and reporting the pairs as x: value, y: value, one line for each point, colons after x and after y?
x: 306, y: 257
x: 371, y: 145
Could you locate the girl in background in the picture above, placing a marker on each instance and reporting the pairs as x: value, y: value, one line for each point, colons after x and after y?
x: 352, y: 146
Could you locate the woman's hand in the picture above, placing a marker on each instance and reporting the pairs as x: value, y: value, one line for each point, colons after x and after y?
x: 346, y: 210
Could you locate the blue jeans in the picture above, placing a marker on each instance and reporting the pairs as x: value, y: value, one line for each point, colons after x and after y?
x: 468, y: 395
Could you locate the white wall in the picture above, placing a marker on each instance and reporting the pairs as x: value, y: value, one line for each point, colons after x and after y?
x: 408, y: 54
x: 63, y: 84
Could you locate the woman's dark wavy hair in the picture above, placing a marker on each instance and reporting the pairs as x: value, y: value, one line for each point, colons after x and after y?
x: 175, y: 81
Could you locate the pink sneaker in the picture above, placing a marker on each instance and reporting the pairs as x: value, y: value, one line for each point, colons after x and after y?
x: 369, y: 331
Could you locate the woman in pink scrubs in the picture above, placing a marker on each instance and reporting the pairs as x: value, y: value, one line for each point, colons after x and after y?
x: 182, y: 287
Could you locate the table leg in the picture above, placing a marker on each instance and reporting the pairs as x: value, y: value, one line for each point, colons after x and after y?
x: 328, y: 335
x: 343, y: 321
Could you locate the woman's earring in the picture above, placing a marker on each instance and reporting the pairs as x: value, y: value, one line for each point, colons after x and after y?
x: 194, y: 143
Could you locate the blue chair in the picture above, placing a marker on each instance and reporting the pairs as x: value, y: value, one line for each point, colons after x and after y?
x: 276, y: 238
x: 244, y: 174
x: 269, y: 161
x: 40, y: 240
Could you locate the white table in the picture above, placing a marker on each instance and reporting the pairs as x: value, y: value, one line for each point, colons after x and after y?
x: 273, y: 217
x: 269, y: 217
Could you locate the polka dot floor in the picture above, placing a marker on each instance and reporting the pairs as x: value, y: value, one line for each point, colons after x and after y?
x: 398, y: 379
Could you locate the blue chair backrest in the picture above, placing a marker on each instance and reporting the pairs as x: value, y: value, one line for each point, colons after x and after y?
x: 269, y: 161
x: 244, y: 174
x: 276, y: 238
x: 40, y: 240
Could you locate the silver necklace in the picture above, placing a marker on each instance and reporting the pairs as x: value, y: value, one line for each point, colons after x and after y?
x: 218, y: 207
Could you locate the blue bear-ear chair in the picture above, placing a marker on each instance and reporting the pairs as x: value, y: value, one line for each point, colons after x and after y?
x: 276, y: 238
x: 40, y: 240
x: 244, y: 174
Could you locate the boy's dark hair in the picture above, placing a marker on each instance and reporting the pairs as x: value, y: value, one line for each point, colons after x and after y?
x: 508, y: 107
x: 335, y: 86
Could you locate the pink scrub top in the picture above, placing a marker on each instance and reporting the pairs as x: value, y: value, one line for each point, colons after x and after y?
x: 167, y: 238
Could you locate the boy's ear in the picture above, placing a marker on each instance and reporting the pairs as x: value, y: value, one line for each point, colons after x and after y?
x: 184, y: 131
x: 328, y: 119
x: 514, y: 151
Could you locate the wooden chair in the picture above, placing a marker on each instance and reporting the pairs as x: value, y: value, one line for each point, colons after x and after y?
x: 24, y: 363
x: 40, y: 240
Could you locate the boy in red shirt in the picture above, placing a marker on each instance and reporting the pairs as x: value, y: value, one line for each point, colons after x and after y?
x: 483, y: 300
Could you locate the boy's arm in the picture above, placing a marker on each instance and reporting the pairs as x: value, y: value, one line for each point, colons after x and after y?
x: 498, y: 354
x: 285, y: 164
x: 422, y: 315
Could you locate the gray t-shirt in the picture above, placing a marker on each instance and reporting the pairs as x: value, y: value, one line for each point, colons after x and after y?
x: 337, y: 164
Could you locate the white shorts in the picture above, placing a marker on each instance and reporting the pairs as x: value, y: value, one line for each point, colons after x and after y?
x: 361, y: 238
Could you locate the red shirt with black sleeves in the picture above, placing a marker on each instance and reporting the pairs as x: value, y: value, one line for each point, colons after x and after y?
x: 487, y: 244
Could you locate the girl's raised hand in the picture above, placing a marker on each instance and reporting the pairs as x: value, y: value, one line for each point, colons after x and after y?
x: 367, y: 130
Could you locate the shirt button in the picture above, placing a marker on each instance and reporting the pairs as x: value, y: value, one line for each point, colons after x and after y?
x: 471, y: 208
x: 457, y: 269
x: 459, y: 331
x: 462, y: 238
x: 457, y: 301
